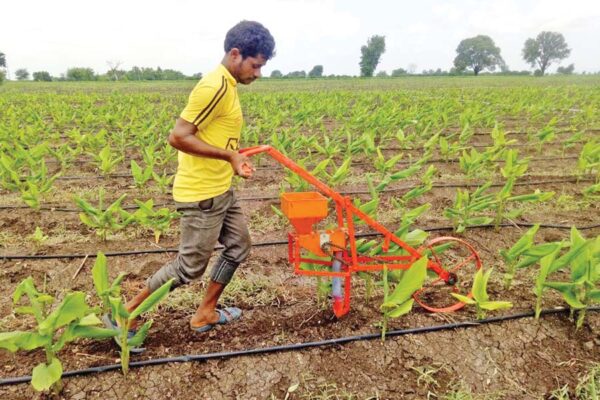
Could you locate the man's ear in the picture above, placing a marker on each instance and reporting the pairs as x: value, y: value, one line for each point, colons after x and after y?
x: 235, y: 53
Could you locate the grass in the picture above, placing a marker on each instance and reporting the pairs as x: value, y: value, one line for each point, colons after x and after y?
x: 246, y: 289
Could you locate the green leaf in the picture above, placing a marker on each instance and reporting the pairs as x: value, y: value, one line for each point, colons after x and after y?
x: 402, y: 309
x: 19, y: 340
x: 152, y: 300
x: 100, y: 274
x: 567, y: 290
x: 463, y: 299
x: 495, y: 305
x: 44, y: 376
x: 89, y: 320
x: 71, y: 308
x: 94, y: 332
x: 568, y: 258
x: 411, y: 281
x: 480, y: 285
x: 139, y: 337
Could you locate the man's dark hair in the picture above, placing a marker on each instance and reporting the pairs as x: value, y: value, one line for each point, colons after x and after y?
x: 251, y: 38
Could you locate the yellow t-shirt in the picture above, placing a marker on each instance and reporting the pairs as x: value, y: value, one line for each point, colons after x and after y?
x: 214, y: 107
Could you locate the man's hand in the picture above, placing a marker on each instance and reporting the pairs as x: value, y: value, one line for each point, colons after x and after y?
x: 242, y: 165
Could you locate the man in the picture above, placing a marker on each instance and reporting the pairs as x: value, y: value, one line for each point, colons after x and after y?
x: 207, y: 136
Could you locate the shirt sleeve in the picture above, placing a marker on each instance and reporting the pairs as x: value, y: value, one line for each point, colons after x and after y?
x: 203, y: 104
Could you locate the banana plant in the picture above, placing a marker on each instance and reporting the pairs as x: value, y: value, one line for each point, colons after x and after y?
x: 69, y: 320
x: 467, y: 208
x: 140, y: 176
x: 163, y: 181
x: 474, y: 163
x: 399, y: 175
x: 524, y: 254
x: 159, y: 221
x: 505, y: 196
x: 109, y: 294
x: 104, y: 221
x: 589, y: 159
x: 583, y: 260
x: 400, y: 301
x: 341, y: 173
x: 382, y: 165
x: 481, y: 299
x: 105, y: 161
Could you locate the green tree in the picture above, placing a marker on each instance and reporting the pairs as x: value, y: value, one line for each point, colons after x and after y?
x: 2, y: 60
x: 42, y: 76
x: 316, y: 72
x: 296, y: 74
x: 22, y: 74
x: 370, y: 55
x: 399, y: 72
x: 544, y: 49
x: 477, y: 53
x: 276, y: 74
x: 81, y: 74
x: 568, y: 70
x: 382, y: 74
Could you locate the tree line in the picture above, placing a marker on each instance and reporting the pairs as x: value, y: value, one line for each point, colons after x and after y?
x: 113, y: 74
x: 474, y: 55
x: 480, y: 53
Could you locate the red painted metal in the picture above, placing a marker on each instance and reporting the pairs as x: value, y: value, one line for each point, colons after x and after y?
x: 304, y: 217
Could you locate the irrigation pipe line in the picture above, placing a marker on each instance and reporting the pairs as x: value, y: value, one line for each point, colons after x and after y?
x: 275, y: 242
x: 297, y: 346
x: 278, y: 167
x: 567, y: 179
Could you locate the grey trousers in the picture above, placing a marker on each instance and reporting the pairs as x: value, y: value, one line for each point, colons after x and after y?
x: 202, y: 225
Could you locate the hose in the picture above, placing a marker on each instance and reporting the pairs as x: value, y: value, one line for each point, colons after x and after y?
x: 278, y: 242
x: 349, y: 192
x: 297, y: 346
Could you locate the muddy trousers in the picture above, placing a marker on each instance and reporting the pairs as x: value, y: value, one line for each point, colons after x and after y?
x: 202, y: 225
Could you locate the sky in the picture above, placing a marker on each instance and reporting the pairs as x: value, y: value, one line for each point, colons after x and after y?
x: 188, y: 35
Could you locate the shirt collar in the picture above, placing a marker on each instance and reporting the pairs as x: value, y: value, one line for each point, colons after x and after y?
x: 228, y: 75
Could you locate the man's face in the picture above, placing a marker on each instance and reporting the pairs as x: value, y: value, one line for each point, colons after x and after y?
x: 248, y: 69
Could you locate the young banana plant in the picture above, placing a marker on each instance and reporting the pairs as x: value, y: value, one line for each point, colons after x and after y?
x: 400, y: 301
x: 109, y: 294
x: 69, y: 320
x: 481, y: 299
x: 104, y: 221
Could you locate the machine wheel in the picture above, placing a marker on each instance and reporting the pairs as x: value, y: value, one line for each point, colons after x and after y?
x: 461, y: 261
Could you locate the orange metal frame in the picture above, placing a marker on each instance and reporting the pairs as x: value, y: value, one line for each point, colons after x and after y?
x: 346, y: 211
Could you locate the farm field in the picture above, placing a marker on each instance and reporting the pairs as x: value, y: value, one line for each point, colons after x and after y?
x: 483, y: 159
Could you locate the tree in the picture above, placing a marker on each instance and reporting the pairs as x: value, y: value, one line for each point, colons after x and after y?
x: 399, y: 72
x: 544, y: 49
x: 81, y: 74
x: 477, y: 53
x: 113, y: 70
x: 568, y: 70
x: 382, y: 74
x: 276, y: 74
x: 22, y: 74
x: 296, y: 74
x: 316, y: 72
x: 370, y: 55
x: 2, y: 60
x: 42, y: 76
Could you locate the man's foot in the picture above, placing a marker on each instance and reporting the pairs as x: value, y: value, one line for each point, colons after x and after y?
x: 220, y: 317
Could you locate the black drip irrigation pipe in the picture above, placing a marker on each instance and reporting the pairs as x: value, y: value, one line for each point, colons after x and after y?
x: 278, y: 242
x: 567, y: 179
x: 297, y: 346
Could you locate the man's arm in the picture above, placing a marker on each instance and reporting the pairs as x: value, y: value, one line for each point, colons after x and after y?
x: 183, y: 138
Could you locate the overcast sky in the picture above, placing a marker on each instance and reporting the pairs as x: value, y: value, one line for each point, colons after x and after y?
x: 188, y: 35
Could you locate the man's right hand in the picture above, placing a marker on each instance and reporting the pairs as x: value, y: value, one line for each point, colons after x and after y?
x: 242, y: 165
